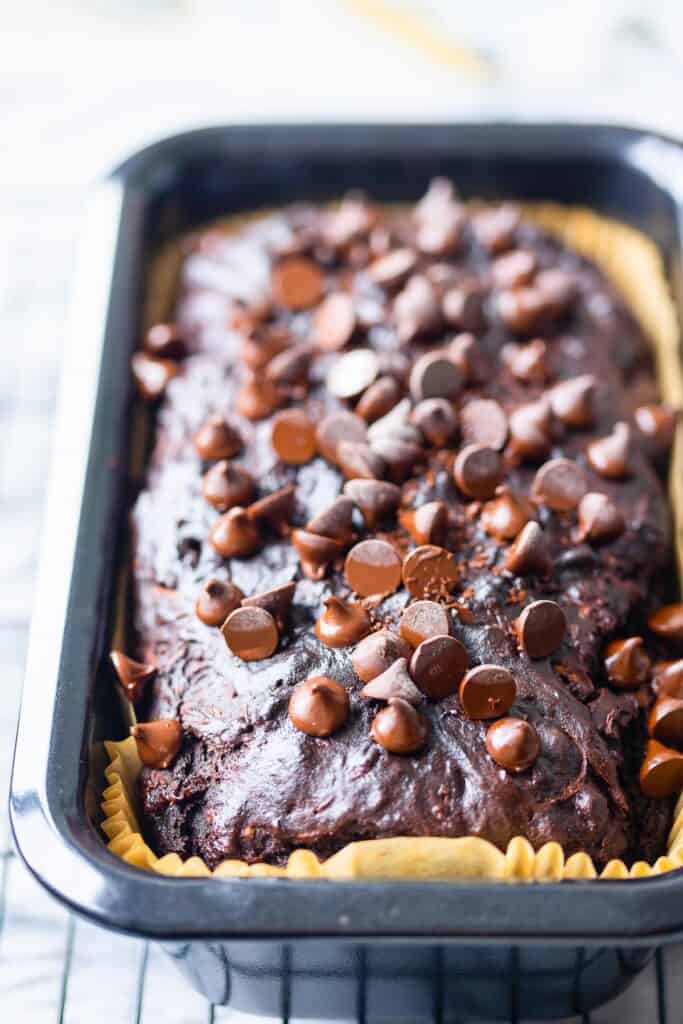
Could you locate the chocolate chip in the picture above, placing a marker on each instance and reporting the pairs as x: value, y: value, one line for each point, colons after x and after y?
x: 375, y: 498
x: 166, y: 341
x: 334, y: 322
x: 379, y: 399
x: 398, y: 457
x: 422, y: 620
x: 394, y: 682
x: 277, y: 601
x: 258, y: 398
x: 526, y: 362
x: 132, y: 675
x: 523, y: 309
x: 158, y: 742
x: 400, y: 728
x: 440, y: 234
x: 657, y: 427
x: 290, y: 367
x: 627, y: 663
x: 293, y: 437
x: 559, y: 484
x: 666, y: 721
x: 462, y: 306
x: 558, y: 288
x: 352, y: 373
x: 667, y: 622
x: 464, y: 351
x: 259, y: 348
x: 416, y: 309
x: 430, y: 571
x: 434, y: 375
x: 275, y: 509
x: 611, y: 456
x: 339, y: 426
x: 541, y: 628
x: 506, y: 515
x: 251, y: 633
x: 373, y: 567
x: 341, y: 623
x: 483, y: 422
x: 599, y: 519
x: 392, y: 269
x: 352, y: 220
x: 217, y: 439
x: 319, y: 706
x: 513, y: 744
x: 530, y: 427
x: 573, y: 401
x: 667, y: 677
x: 216, y: 599
x: 529, y: 553
x: 661, y: 774
x: 395, y: 425
x: 427, y: 524
x: 226, y: 485
x: 495, y: 228
x: 376, y: 653
x: 440, y: 196
x: 359, y: 461
x: 436, y: 419
x: 335, y: 521
x: 514, y: 268
x: 438, y: 665
x: 487, y: 691
x: 151, y: 375
x: 477, y: 471
x: 235, y: 535
x: 297, y: 283
x: 315, y: 552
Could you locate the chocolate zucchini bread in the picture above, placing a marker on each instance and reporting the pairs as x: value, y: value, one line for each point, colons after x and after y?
x: 402, y: 544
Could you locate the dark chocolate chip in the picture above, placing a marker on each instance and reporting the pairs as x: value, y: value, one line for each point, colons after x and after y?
x: 416, y: 309
x: 530, y: 427
x: 495, y: 228
x: 462, y: 306
x: 657, y: 427
x: 398, y: 457
x: 514, y: 268
x: 666, y: 721
x: 527, y: 362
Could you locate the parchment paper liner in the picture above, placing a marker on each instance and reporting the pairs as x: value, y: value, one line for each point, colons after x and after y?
x: 634, y: 265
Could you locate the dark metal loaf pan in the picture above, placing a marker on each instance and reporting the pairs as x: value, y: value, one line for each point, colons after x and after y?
x: 400, y: 950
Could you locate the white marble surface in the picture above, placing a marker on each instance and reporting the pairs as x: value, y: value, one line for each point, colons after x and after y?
x: 82, y: 83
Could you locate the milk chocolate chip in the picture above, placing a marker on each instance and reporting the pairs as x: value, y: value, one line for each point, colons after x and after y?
x: 151, y: 375
x: 297, y: 283
x: 483, y: 422
x: 392, y: 683
x: 337, y: 427
x: 599, y: 519
x: 529, y: 553
x: 506, y: 515
x: 315, y: 552
x: 275, y: 509
x: 667, y: 677
x: 217, y: 439
x: 627, y: 663
x: 541, y: 628
x: 559, y: 484
x: 342, y: 622
x: 661, y: 774
x: 487, y: 691
x: 477, y: 471
x: 400, y: 728
x: 610, y: 456
x: 258, y: 398
x: 375, y: 498
x: 666, y: 721
x: 423, y: 619
x: 235, y: 535
x: 376, y: 653
x: 530, y: 427
x: 158, y: 742
x: 352, y: 373
x: 251, y: 633
x: 334, y: 322
x: 277, y: 601
x: 438, y: 665
x: 319, y: 706
x: 373, y: 567
x: 132, y: 675
x: 434, y: 375
x: 513, y: 744
x: 573, y: 401
x: 336, y: 521
x: 166, y: 341
x: 667, y: 622
x: 436, y: 419
x: 379, y: 399
x: 216, y: 599
x: 293, y: 437
x: 427, y: 524
x: 226, y: 485
x: 527, y: 362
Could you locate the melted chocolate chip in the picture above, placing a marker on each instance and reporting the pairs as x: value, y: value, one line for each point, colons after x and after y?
x: 216, y: 600
x: 541, y: 628
x: 400, y: 728
x: 487, y: 691
x: 341, y: 623
x: 158, y: 742
x: 560, y: 485
x: 477, y: 471
x: 132, y: 675
x: 373, y: 567
x: 513, y: 744
x: 251, y: 633
x: 319, y: 706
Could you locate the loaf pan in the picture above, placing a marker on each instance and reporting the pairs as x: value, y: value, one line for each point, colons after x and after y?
x: 395, y: 949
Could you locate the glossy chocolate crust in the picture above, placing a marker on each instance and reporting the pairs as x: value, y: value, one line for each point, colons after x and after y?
x: 247, y: 784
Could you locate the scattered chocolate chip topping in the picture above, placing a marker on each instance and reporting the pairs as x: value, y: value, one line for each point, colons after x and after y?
x: 152, y: 375
x: 559, y: 484
x: 434, y: 375
x: 215, y: 600
x: 599, y: 519
x: 226, y: 485
x: 506, y: 514
x: 376, y: 653
x: 297, y: 283
x: 235, y: 535
x: 668, y: 678
x: 523, y: 309
x: 217, y: 439
x: 293, y: 437
x: 557, y: 288
x: 394, y: 682
x: 529, y: 553
x: 527, y: 362
x: 132, y: 675
x: 315, y: 552
x: 259, y: 348
x: 513, y: 744
x: 483, y: 422
x: 400, y: 728
x: 395, y: 425
x: 336, y: 521
x: 573, y: 401
x: 275, y: 509
x: 514, y: 268
x: 352, y: 373
x: 379, y: 399
x: 662, y: 772
x: 391, y: 270
x: 657, y: 427
x: 438, y: 665
x: 341, y: 622
x: 666, y: 721
x: 399, y: 457
x: 611, y: 456
x: 627, y: 663
x: 541, y: 628
x: 373, y: 567
x: 416, y: 309
x: 277, y: 601
x: 427, y: 524
x: 334, y: 322
x: 422, y: 620
x: 359, y: 461
x: 436, y: 419
x: 667, y: 622
x: 487, y: 691
x: 319, y: 706
x: 166, y: 341
x: 338, y: 427
x: 464, y: 351
x: 430, y: 571
x: 258, y: 398
x: 158, y: 742
x: 478, y: 470
x: 251, y: 633
x: 376, y: 499
x: 290, y: 367
x: 530, y: 427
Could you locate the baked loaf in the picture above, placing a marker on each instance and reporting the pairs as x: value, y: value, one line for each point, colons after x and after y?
x: 442, y: 427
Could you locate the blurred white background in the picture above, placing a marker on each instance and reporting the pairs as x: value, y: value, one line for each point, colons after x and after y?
x: 85, y: 82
